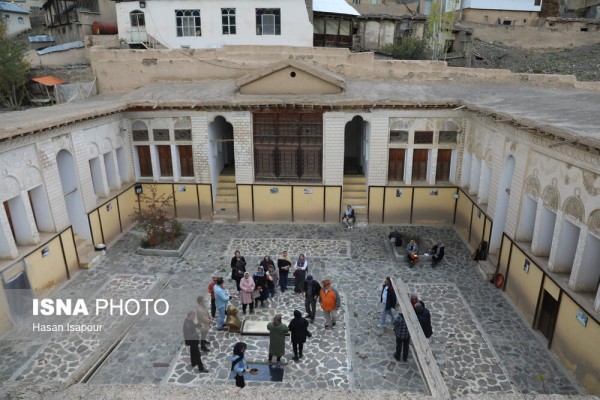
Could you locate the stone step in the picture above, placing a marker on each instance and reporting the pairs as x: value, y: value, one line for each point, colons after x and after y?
x: 227, y: 191
x: 227, y: 178
x: 225, y: 203
x: 355, y: 187
x: 226, y: 199
x: 355, y: 180
x: 353, y: 201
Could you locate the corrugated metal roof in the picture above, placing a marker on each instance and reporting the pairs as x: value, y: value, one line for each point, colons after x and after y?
x: 61, y: 47
x: 41, y: 39
x: 334, y: 7
x: 48, y: 80
x: 11, y: 7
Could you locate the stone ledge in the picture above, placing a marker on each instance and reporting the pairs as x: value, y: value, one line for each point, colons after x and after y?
x: 167, y: 253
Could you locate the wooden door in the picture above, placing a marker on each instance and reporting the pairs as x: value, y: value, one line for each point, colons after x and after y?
x: 442, y: 172
x: 419, y: 165
x: 396, y: 165
x: 548, y: 314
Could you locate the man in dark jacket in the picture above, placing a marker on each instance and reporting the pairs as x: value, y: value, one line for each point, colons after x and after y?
x: 389, y: 301
x: 238, y: 267
x: 402, y: 337
x: 192, y: 339
x: 299, y: 331
x: 437, y: 253
x: 311, y: 290
x: 424, y: 317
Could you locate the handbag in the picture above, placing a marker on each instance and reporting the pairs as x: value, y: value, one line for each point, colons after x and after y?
x: 255, y: 295
x: 296, y: 274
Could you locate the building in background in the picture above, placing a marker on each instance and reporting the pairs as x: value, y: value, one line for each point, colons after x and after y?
x: 15, y: 17
x: 500, y: 12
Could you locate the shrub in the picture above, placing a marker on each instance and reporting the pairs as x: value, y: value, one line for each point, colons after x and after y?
x: 409, y: 48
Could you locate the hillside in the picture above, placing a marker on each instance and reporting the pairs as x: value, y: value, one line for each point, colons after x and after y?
x: 583, y: 62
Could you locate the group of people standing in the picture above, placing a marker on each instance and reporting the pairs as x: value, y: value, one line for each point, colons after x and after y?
x: 261, y: 285
x: 254, y: 289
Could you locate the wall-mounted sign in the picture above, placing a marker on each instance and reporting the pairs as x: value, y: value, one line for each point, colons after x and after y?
x: 398, y: 192
x: 433, y: 193
x: 181, y: 188
x: 274, y: 190
x: 526, y: 266
x: 307, y: 190
x: 138, y: 188
x: 109, y: 207
x: 455, y: 195
x: 582, y: 318
x: 45, y: 251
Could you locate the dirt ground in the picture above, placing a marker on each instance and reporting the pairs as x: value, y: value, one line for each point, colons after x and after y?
x: 583, y: 62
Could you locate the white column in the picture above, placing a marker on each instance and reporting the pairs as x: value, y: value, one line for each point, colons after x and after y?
x: 175, y: 162
x: 334, y: 125
x: 408, y: 166
x: 537, y: 234
x: 475, y: 176
x: 201, y: 147
x: 8, y: 247
x: 378, y: 150
x: 555, y: 243
x: 243, y: 146
x: 56, y: 199
x: 577, y: 280
x: 597, y: 301
x: 432, y: 166
x: 23, y: 221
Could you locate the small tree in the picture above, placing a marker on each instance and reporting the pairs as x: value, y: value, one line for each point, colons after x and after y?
x: 153, y: 218
x: 440, y: 24
x: 13, y: 69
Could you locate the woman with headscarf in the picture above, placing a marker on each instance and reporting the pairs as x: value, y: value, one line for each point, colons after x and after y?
x: 266, y: 262
x: 299, y: 331
x: 283, y: 264
x: 300, y: 270
x: 247, y: 286
x: 238, y: 364
x: 277, y: 331
x: 272, y: 279
x: 261, y: 293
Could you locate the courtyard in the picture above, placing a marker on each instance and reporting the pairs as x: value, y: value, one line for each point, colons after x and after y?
x: 481, y: 343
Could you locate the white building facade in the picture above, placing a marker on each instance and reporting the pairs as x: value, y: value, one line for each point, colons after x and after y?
x: 209, y: 24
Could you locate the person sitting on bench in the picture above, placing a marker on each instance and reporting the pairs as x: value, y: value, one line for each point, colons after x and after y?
x: 412, y: 251
x: 437, y: 252
x: 348, y: 217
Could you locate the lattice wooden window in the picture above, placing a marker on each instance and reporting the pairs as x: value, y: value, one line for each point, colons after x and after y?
x: 288, y: 146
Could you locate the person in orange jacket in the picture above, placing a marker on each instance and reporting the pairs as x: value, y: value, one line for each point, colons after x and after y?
x: 330, y: 302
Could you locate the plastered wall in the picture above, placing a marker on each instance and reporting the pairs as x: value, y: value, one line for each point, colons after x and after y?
x: 577, y: 345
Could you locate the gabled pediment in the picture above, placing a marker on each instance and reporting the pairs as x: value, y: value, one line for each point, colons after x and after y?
x: 292, y: 77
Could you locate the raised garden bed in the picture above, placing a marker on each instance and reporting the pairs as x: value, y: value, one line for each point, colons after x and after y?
x: 166, y: 252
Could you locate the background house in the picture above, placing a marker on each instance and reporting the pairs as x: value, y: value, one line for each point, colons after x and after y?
x: 15, y: 18
x: 69, y: 21
x: 334, y: 23
x: 206, y: 24
x: 500, y: 12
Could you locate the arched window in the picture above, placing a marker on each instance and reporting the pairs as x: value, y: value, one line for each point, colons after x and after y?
x: 188, y: 23
x: 137, y: 18
x: 228, y: 21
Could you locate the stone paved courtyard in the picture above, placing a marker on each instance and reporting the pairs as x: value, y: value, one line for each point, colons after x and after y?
x: 481, y: 343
